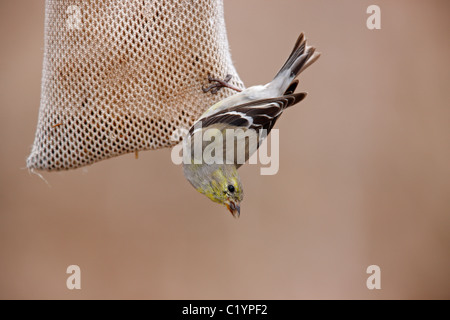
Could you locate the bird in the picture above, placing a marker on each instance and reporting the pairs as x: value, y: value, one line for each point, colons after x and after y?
x: 252, y: 111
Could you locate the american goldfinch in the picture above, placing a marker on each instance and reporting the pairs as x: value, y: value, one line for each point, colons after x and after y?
x: 254, y: 111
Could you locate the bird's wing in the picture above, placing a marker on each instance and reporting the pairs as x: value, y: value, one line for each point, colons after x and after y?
x: 292, y: 87
x: 251, y: 118
x: 256, y: 115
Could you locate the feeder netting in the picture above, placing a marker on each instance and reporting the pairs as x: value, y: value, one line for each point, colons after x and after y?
x: 121, y: 76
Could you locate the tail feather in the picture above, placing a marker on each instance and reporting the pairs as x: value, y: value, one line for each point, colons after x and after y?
x: 300, y: 40
x: 301, y: 57
x: 310, y: 59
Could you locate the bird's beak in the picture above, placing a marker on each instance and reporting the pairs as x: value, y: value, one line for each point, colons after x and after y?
x: 234, y: 208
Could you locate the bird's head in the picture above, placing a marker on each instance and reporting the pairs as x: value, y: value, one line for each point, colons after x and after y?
x: 221, y: 184
x: 225, y: 188
x: 232, y: 196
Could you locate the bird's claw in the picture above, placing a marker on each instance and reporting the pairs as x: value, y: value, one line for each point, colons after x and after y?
x: 219, y: 84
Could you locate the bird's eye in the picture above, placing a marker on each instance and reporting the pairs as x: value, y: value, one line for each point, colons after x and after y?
x: 231, y: 188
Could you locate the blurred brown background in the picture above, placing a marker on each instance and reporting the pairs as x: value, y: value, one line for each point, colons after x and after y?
x: 364, y: 176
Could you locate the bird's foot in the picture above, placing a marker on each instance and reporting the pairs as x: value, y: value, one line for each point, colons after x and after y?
x: 219, y: 84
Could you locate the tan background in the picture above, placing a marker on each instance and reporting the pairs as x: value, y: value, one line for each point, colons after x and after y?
x: 364, y: 175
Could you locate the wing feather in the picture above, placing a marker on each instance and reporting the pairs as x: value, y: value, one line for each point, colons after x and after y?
x: 253, y: 115
x: 251, y: 118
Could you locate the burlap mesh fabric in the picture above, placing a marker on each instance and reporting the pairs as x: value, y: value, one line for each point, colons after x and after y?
x: 122, y: 76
